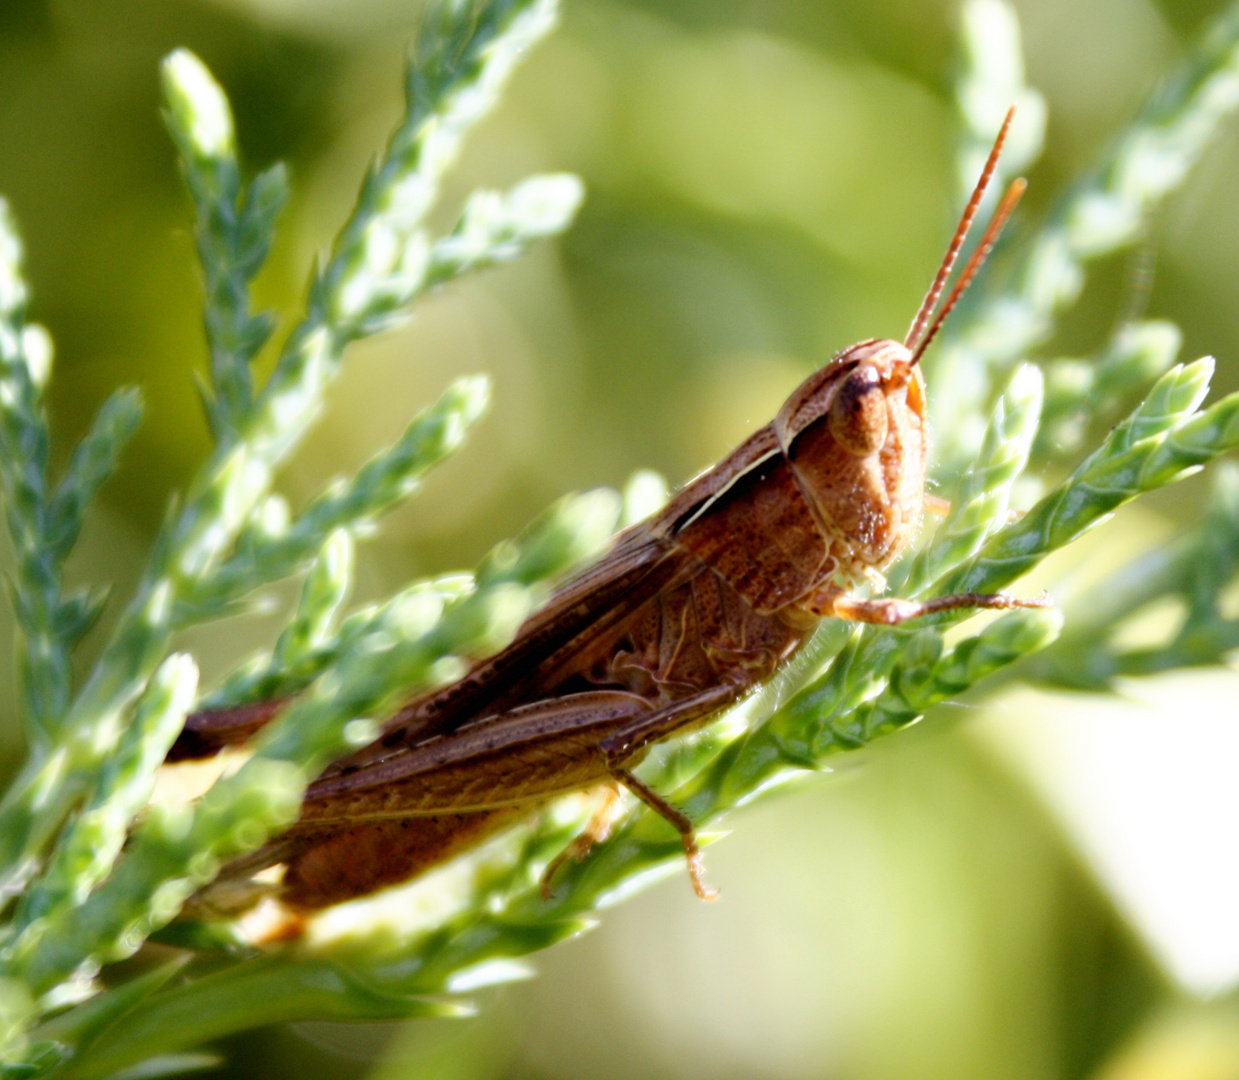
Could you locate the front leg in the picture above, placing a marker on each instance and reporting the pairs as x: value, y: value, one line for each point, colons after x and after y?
x: 892, y: 610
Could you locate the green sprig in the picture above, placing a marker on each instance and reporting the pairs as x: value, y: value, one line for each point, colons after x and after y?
x: 376, y: 270
x: 93, y: 463
x: 236, y: 223
x: 991, y: 80
x: 264, y: 556
x: 100, y: 873
x: 23, y: 472
x: 264, y: 990
x: 90, y: 846
x: 1195, y: 569
x: 404, y: 647
x: 381, y: 261
x: 63, y: 820
x: 1083, y: 395
x: 1101, y: 214
x: 497, y: 227
x: 265, y: 679
x: 1162, y: 441
x: 984, y: 494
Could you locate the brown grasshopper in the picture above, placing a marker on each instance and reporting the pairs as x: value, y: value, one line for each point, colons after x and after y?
x: 687, y: 613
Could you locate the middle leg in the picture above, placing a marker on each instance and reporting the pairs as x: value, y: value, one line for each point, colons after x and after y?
x: 628, y: 742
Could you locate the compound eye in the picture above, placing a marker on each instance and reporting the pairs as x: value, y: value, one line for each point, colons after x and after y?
x: 858, y: 418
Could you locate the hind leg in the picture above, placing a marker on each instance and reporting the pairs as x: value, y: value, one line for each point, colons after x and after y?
x: 596, y: 832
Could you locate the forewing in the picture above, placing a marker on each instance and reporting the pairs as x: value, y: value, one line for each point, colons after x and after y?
x: 526, y: 754
x: 634, y: 570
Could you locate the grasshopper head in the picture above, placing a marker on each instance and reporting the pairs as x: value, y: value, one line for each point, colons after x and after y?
x: 854, y: 393
x: 854, y: 434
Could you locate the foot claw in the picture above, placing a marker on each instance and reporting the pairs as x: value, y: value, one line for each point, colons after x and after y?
x: 577, y: 850
x: 696, y: 874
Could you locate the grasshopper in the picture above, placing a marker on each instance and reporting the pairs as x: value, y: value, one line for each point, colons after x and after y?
x: 688, y: 612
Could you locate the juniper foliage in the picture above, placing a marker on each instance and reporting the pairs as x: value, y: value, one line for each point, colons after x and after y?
x: 91, y: 872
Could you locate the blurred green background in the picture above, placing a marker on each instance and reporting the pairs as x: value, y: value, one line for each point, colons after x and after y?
x: 1039, y: 888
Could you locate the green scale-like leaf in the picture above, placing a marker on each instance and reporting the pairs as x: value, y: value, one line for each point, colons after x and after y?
x: 98, y: 871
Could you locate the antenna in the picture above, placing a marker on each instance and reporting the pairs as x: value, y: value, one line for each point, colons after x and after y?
x: 996, y: 223
x: 917, y: 340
